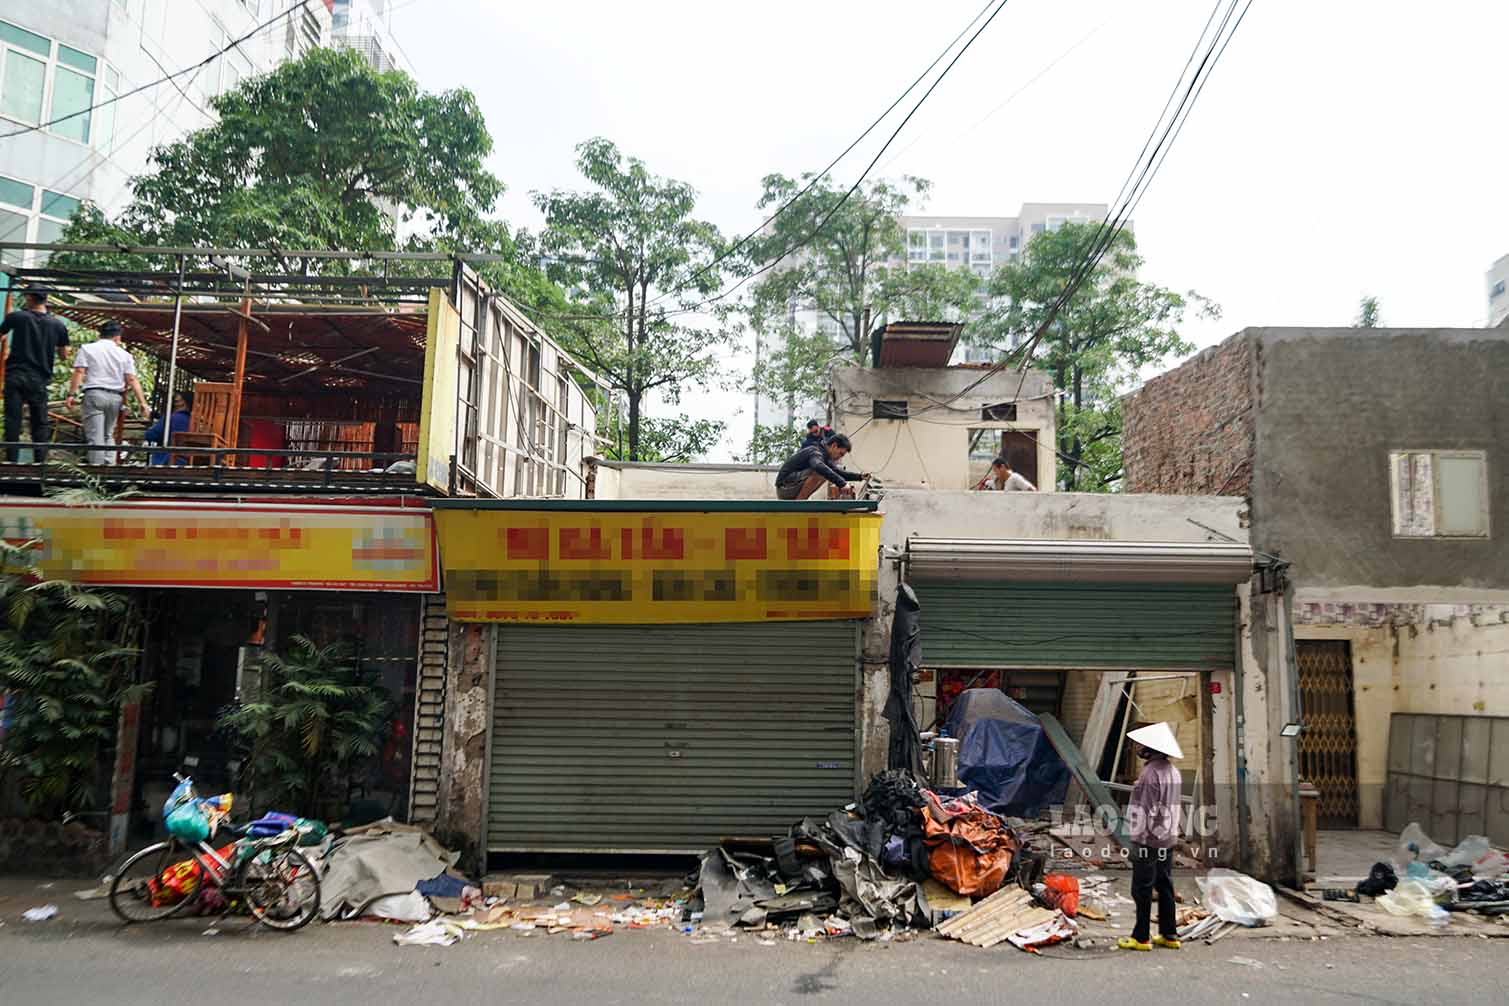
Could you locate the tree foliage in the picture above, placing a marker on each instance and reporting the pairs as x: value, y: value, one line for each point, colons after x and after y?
x: 1114, y: 326
x: 631, y: 248
x: 318, y: 713
x: 854, y: 262
x: 773, y: 443
x: 675, y: 439
x: 65, y: 662
x: 1369, y: 314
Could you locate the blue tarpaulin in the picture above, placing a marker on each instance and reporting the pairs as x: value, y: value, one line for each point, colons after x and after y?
x: 1004, y: 755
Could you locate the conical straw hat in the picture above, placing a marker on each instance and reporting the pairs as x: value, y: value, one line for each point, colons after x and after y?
x: 1159, y: 737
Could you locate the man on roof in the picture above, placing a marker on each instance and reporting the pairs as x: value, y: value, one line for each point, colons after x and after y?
x: 806, y: 470
x: 1153, y: 816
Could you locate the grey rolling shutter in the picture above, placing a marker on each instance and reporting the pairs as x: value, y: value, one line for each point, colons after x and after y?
x: 668, y: 738
x: 1077, y: 625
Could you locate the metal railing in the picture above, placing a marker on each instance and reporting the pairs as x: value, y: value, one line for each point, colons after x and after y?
x: 58, y: 471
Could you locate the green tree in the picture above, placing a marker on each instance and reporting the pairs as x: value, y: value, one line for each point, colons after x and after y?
x: 631, y: 248
x: 65, y: 661
x: 324, y: 152
x: 678, y: 439
x: 847, y: 267
x: 773, y: 443
x: 1114, y: 326
x: 1368, y: 313
x: 317, y: 714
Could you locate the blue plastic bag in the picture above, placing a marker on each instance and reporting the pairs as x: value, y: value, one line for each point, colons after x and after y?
x: 182, y: 793
x: 189, y: 822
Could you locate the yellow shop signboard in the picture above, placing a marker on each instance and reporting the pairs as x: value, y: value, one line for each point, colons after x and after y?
x: 583, y: 566
x: 277, y: 546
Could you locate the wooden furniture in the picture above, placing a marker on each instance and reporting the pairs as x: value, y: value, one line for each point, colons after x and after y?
x: 317, y: 435
x: 408, y: 438
x: 211, y: 424
x: 1309, y: 801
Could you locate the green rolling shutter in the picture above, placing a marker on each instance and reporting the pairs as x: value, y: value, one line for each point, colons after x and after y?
x: 668, y: 738
x: 1077, y: 625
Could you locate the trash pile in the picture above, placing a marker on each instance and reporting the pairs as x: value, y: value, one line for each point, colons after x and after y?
x: 1430, y: 882
x: 904, y: 859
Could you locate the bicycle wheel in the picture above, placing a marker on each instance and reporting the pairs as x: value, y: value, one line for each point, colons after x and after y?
x: 282, y: 889
x: 136, y: 891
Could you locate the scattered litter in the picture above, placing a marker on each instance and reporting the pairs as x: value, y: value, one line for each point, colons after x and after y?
x: 1246, y: 962
x: 1236, y: 897
x: 94, y: 893
x: 212, y: 931
x: 40, y: 914
x: 438, y: 933
x: 564, y: 906
x: 587, y: 899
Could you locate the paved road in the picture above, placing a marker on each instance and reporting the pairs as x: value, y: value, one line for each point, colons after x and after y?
x: 82, y: 957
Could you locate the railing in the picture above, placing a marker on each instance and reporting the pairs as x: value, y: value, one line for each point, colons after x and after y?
x: 60, y: 471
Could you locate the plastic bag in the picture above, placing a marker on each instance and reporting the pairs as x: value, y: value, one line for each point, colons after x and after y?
x: 1236, y: 897
x: 1415, y: 844
x: 1413, y: 898
x: 189, y: 823
x: 182, y: 794
x: 1062, y: 892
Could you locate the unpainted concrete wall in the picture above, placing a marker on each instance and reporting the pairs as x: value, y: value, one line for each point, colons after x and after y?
x: 1331, y: 405
x: 468, y: 710
x: 930, y: 450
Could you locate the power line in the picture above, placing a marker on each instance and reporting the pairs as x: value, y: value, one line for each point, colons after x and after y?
x: 863, y: 175
x: 831, y: 164
x: 158, y: 82
x: 1165, y: 128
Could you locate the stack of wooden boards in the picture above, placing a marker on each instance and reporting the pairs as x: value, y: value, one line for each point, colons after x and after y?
x: 1006, y: 912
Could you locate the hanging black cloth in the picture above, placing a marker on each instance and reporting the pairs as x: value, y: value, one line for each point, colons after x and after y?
x: 906, y: 654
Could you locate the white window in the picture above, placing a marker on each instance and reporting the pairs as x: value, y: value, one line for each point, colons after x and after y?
x: 32, y: 215
x: 42, y: 82
x: 916, y: 246
x: 937, y: 246
x: 1439, y: 494
x: 979, y: 247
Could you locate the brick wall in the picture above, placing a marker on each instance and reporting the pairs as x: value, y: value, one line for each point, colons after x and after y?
x: 1190, y: 431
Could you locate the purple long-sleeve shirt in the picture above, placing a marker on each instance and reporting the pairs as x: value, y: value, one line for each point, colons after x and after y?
x: 1153, y: 812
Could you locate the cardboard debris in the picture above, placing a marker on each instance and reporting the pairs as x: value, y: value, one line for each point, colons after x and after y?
x: 999, y: 917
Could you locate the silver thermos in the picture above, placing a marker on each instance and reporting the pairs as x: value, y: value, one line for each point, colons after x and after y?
x: 946, y: 763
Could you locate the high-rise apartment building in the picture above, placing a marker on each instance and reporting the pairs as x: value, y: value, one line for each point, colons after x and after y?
x: 63, y: 140
x: 1498, y: 293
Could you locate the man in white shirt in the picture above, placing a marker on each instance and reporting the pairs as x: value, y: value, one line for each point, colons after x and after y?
x: 1003, y: 478
x: 105, y: 370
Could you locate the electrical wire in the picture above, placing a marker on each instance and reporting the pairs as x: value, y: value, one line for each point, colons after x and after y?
x: 831, y: 164
x: 159, y: 81
x: 1165, y: 128
x: 864, y: 174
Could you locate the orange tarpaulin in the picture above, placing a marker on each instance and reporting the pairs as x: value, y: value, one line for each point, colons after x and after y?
x: 969, y: 849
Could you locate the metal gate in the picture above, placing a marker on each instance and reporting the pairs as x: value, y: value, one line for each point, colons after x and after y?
x: 668, y: 737
x: 1328, y: 743
x: 1451, y: 774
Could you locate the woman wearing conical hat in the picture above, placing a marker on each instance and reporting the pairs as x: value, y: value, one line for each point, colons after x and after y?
x: 1153, y: 816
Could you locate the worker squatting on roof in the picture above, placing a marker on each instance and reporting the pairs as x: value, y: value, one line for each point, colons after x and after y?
x: 813, y: 464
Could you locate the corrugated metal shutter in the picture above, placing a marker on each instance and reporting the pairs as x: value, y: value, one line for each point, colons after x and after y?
x: 429, y: 711
x: 1076, y: 625
x: 668, y: 738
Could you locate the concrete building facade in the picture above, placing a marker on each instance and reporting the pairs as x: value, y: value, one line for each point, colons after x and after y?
x: 1374, y: 464
x: 78, y: 56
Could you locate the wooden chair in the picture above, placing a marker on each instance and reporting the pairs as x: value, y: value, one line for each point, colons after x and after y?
x: 209, y: 424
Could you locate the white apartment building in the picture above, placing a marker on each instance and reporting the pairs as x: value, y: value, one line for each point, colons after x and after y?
x: 980, y: 244
x: 61, y: 57
x: 1498, y: 298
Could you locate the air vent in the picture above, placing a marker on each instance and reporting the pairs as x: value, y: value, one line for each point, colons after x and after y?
x: 882, y: 409
x: 1002, y: 413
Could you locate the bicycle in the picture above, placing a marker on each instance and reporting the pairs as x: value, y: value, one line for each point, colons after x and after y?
x: 277, y: 883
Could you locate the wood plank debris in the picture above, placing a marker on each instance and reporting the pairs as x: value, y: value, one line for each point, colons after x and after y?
x: 995, y: 919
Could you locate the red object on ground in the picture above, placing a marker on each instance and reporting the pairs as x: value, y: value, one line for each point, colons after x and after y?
x: 1062, y: 893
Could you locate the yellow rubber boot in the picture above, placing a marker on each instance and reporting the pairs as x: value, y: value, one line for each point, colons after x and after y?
x: 1166, y: 943
x: 1127, y: 943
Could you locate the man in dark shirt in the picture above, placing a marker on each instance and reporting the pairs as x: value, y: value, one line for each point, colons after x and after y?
x: 810, y: 467
x: 34, y: 338
x: 815, y: 434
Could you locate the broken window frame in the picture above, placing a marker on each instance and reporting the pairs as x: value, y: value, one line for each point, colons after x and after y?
x: 1415, y: 495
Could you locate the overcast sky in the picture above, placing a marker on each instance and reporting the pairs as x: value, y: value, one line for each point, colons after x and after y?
x: 1343, y: 147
